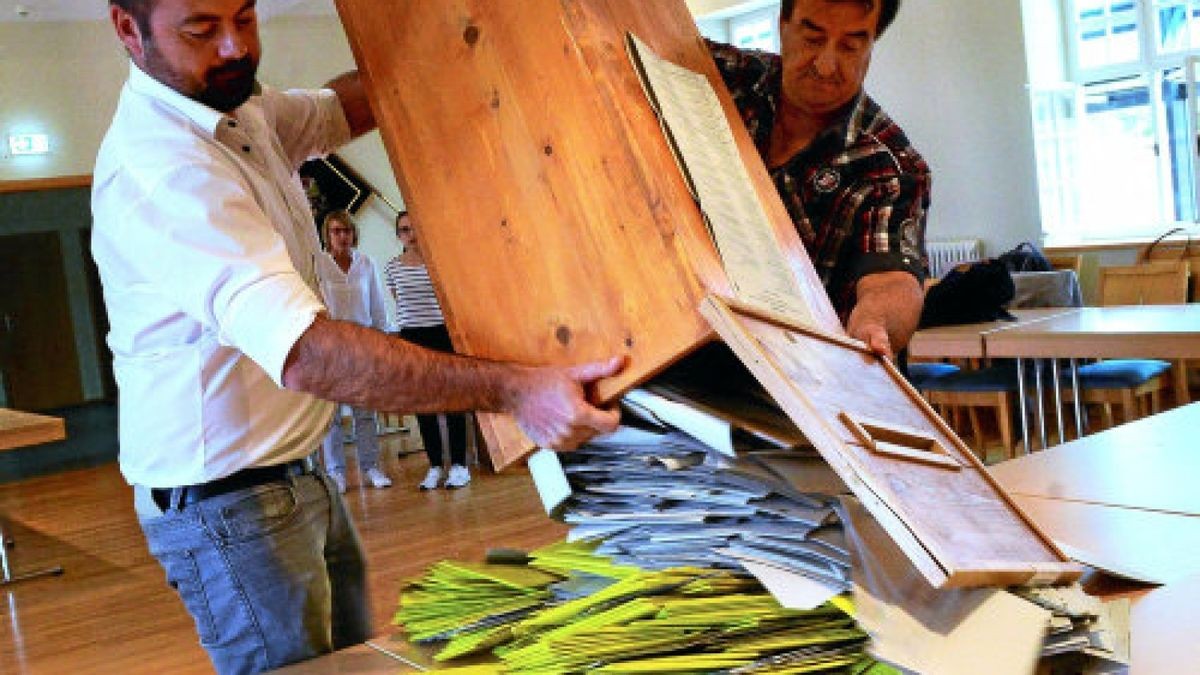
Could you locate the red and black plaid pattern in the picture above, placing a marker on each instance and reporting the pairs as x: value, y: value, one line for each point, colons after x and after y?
x: 858, y: 194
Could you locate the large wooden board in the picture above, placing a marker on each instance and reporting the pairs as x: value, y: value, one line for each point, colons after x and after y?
x: 557, y: 225
x: 943, y: 509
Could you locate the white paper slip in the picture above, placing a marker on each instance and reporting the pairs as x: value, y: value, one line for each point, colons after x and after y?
x: 711, y: 431
x: 700, y: 137
x: 794, y: 591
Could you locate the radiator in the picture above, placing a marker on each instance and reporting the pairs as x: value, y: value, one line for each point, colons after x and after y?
x: 946, y: 254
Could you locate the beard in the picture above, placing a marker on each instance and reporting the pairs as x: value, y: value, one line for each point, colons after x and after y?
x: 223, y: 88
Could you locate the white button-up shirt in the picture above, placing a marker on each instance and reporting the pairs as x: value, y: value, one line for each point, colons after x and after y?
x: 356, y: 294
x: 208, y: 254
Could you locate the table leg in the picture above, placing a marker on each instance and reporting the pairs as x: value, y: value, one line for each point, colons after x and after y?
x: 1080, y: 420
x: 6, y: 575
x: 1039, y: 407
x: 1058, y: 411
x: 1023, y: 404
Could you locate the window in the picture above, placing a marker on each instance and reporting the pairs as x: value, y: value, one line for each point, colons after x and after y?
x: 1114, y: 155
x: 756, y: 30
x: 751, y: 25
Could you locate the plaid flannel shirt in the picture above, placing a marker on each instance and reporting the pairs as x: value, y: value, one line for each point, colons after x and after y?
x: 858, y: 194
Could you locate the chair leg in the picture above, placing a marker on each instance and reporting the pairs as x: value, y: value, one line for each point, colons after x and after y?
x: 976, y: 430
x: 1004, y: 421
x: 1129, y: 406
x: 1179, y: 377
x: 1107, y: 413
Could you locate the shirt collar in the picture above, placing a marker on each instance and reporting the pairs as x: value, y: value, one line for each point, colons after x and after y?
x: 201, y: 115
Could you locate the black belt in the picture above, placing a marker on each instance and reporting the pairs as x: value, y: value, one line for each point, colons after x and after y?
x: 239, y: 480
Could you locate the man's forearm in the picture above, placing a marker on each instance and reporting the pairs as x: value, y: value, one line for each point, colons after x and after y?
x: 345, y: 362
x: 353, y: 97
x: 891, y: 300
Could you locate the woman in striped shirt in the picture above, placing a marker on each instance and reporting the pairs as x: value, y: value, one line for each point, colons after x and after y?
x: 419, y: 318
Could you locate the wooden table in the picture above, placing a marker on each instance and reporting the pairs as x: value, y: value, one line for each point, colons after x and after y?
x: 19, y: 429
x: 969, y: 341
x: 1125, y: 500
x: 1139, y: 331
x: 1135, y: 331
x: 1151, y: 464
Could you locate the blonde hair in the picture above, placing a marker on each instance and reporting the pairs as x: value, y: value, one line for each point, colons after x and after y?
x: 342, y: 215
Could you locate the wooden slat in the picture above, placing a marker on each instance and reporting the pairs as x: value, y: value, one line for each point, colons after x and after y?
x: 557, y: 225
x: 19, y: 429
x: 50, y: 183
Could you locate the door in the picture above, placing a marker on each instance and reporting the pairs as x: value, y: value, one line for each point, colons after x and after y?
x: 37, y: 343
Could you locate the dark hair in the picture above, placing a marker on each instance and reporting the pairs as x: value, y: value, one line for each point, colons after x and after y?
x: 139, y: 10
x: 887, y: 11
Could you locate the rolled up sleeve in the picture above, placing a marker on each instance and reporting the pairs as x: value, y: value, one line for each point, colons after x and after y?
x: 206, y: 247
x: 889, y: 228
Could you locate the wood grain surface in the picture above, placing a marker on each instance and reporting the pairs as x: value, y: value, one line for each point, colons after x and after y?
x: 19, y: 429
x: 557, y: 226
x: 956, y: 526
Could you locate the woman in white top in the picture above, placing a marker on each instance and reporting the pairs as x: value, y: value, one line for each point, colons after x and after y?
x: 352, y: 293
x: 419, y: 318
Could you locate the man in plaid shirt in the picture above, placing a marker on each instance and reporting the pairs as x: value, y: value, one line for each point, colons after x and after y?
x: 854, y: 186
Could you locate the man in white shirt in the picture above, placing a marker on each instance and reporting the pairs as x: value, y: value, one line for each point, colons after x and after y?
x: 224, y: 356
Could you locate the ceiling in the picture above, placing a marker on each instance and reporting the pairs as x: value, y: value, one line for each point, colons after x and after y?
x: 93, y: 10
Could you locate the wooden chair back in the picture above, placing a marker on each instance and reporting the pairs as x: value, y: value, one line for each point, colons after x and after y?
x: 1067, y: 262
x: 1159, y: 283
x: 1176, y: 251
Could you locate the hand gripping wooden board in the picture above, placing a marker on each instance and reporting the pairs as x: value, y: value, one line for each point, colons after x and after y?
x: 557, y: 226
x: 915, y: 476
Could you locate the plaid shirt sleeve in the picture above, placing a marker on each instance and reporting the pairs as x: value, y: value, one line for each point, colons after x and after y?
x: 888, y: 225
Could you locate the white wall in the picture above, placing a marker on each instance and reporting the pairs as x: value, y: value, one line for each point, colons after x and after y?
x: 953, y: 73
x: 63, y: 79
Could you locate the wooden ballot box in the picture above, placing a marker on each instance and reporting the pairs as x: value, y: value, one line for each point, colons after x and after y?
x: 559, y: 228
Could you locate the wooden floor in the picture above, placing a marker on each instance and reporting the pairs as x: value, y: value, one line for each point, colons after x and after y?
x: 112, y: 612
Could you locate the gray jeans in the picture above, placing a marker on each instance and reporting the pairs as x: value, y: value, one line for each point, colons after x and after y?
x: 366, y: 439
x: 271, y: 574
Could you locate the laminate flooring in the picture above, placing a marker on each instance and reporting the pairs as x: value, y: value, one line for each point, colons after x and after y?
x: 112, y: 612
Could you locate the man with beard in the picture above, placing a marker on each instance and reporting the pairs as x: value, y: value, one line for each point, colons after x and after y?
x: 223, y: 353
x: 856, y: 189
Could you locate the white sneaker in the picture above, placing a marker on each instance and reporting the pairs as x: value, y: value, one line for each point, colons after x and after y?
x: 339, y: 479
x: 459, y: 477
x: 432, y: 478
x: 378, y: 478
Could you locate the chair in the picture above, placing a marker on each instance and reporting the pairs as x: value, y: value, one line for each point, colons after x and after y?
x: 1135, y: 384
x: 1064, y: 261
x: 990, y: 387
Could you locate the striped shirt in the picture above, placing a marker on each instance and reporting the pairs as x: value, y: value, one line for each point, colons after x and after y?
x: 416, y: 305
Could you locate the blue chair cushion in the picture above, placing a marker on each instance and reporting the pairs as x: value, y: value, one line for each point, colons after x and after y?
x: 921, y: 374
x: 993, y: 378
x: 1120, y: 373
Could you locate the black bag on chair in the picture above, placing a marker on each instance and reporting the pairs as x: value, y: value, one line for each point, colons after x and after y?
x: 969, y: 293
x: 1025, y: 257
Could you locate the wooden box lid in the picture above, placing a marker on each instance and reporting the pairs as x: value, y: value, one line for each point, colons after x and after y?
x: 556, y: 223
x: 892, y: 450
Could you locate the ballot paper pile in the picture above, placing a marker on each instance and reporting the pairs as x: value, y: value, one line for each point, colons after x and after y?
x: 565, y: 609
x: 659, y: 499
